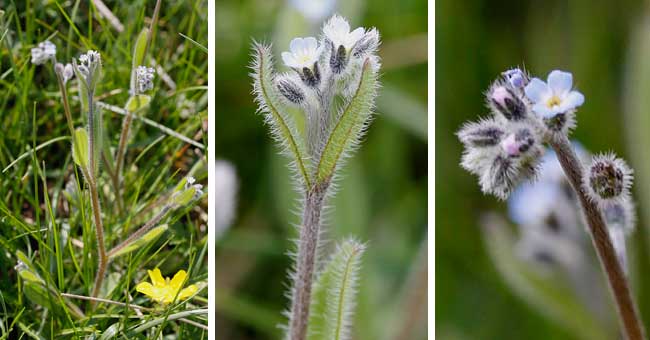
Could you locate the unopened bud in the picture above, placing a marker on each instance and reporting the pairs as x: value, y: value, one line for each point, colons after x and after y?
x: 608, y: 179
x: 290, y: 90
x: 484, y: 133
x: 504, y: 101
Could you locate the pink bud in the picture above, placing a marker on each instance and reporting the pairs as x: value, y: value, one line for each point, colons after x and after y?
x: 500, y: 94
x: 510, y: 145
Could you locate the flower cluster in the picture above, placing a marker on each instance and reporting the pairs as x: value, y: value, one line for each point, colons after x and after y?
x: 323, y: 69
x: 144, y: 78
x: 88, y: 69
x: 504, y: 150
x: 44, y: 52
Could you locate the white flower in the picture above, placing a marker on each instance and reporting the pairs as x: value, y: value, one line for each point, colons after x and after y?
x: 314, y: 10
x: 303, y: 52
x: 144, y: 78
x: 553, y: 98
x: 88, y: 64
x: 43, y: 52
x: 337, y: 30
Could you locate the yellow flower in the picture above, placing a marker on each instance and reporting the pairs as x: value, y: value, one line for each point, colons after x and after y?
x: 165, y: 290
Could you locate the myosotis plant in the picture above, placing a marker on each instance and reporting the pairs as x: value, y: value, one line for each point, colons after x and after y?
x: 506, y: 150
x: 331, y: 87
x: 88, y: 153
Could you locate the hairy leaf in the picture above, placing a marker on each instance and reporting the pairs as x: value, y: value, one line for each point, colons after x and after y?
x: 334, y: 293
x: 269, y: 101
x: 80, y: 148
x: 150, y: 236
x: 138, y: 54
x: 137, y: 102
x: 350, y: 124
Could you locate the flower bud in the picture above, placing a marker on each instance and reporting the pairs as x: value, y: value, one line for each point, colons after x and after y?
x: 338, y: 59
x: 608, y: 179
x: 516, y: 78
x: 518, y: 143
x: 485, y: 133
x: 504, y: 101
x: 311, y: 77
x: 290, y: 90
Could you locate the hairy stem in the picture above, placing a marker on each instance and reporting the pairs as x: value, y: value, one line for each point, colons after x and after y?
x: 66, y: 104
x: 305, y: 262
x: 626, y: 306
x: 99, y: 230
x: 143, y: 230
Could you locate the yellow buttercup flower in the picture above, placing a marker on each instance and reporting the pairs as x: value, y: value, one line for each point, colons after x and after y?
x: 164, y: 290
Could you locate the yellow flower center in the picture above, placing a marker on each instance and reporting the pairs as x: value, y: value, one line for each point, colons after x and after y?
x: 553, y: 101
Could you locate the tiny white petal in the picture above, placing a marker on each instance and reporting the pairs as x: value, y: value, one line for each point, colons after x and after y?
x: 573, y: 100
x: 560, y: 82
x: 536, y: 90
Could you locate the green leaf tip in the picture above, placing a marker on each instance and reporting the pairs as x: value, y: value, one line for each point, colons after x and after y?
x: 283, y: 128
x: 350, y: 124
x: 334, y: 294
x: 147, y: 238
x: 137, y: 102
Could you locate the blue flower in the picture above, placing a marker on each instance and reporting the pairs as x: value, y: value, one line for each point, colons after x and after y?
x: 555, y: 97
x: 515, y: 77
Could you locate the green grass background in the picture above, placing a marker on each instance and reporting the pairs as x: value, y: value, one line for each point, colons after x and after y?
x: 475, y: 41
x: 382, y: 198
x: 34, y: 211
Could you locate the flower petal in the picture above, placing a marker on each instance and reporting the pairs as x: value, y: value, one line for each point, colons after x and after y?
x: 573, y: 100
x: 296, y: 44
x: 288, y: 59
x: 187, y: 292
x: 543, y: 111
x: 178, y: 280
x: 356, y: 35
x: 310, y: 44
x: 560, y: 82
x: 145, y: 288
x: 156, y: 277
x: 536, y: 90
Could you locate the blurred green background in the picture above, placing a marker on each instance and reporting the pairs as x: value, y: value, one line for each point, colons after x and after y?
x: 382, y: 198
x: 605, y: 44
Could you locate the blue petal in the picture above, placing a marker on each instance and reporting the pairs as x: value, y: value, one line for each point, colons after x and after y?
x: 543, y: 111
x: 573, y: 100
x: 560, y: 82
x: 536, y: 89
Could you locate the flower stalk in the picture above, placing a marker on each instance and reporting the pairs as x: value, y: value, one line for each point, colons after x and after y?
x: 627, y: 309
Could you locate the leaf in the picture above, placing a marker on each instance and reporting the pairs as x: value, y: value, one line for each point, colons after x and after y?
x: 161, y: 319
x: 147, y: 238
x: 139, y: 48
x: 282, y: 126
x: 80, y: 148
x: 550, y: 296
x: 350, y: 124
x: 334, y: 294
x: 111, y: 332
x: 137, y: 102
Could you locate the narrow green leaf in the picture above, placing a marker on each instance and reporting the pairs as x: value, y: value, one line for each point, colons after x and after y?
x: 111, y: 332
x: 139, y: 48
x: 80, y: 152
x: 282, y: 126
x: 150, y: 236
x: 350, y: 124
x: 334, y: 294
x: 137, y: 102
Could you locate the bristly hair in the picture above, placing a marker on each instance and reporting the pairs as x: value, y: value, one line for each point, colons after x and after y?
x: 334, y: 296
x: 269, y: 102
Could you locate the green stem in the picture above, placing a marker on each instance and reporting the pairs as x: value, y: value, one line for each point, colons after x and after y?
x: 143, y: 230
